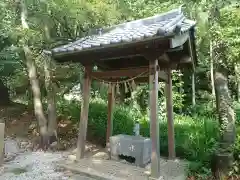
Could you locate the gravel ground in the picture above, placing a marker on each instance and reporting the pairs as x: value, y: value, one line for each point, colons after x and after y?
x: 36, y: 166
x: 33, y: 165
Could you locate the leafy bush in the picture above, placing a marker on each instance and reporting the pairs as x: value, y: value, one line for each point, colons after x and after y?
x: 195, y: 137
x: 237, y: 111
x: 97, y: 118
x: 236, y: 152
x: 204, y: 109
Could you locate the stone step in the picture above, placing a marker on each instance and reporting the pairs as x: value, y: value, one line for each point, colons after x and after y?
x: 113, y: 170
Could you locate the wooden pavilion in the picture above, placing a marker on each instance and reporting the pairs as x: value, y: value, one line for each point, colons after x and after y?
x: 155, y: 45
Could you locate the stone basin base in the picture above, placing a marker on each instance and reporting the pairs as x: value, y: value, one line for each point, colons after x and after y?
x: 137, y: 147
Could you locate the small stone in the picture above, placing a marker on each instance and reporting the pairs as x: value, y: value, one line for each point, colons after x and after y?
x: 68, y: 173
x: 9, y: 157
x: 33, y: 126
x: 54, y: 144
x: 101, y: 155
x: 74, y: 151
x: 124, y: 161
x: 60, y: 146
x: 1, y: 169
x: 23, y: 144
x: 29, y: 146
x: 72, y: 157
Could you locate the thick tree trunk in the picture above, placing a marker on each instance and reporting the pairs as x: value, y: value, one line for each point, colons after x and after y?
x: 34, y: 82
x: 51, y: 109
x: 38, y: 108
x: 237, y: 77
x: 223, y: 157
x: 5, y: 97
x: 48, y: 70
x: 225, y: 108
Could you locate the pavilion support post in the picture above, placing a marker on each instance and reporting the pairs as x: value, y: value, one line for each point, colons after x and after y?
x: 193, y: 89
x: 111, y: 100
x: 154, y: 123
x: 2, y: 129
x: 169, y: 104
x: 84, y: 114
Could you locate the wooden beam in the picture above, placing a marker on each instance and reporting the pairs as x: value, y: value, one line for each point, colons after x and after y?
x: 117, y: 75
x: 84, y: 114
x: 161, y: 75
x: 154, y: 123
x: 178, y: 57
x: 169, y: 103
x: 185, y: 60
x: 179, y: 48
x: 164, y: 58
x: 191, y: 53
x: 152, y: 55
x: 111, y: 100
x: 120, y: 73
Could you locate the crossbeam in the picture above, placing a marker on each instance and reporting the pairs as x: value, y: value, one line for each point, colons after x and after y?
x: 117, y: 75
x: 120, y: 73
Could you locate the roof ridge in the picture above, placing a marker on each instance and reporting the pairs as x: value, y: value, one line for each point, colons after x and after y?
x: 155, y: 18
x: 165, y: 24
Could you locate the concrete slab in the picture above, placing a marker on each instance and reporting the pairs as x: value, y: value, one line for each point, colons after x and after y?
x: 114, y: 170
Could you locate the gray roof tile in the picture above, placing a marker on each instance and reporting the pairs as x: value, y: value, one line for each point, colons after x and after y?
x: 157, y: 26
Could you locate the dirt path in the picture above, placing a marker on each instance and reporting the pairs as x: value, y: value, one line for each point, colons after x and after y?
x: 33, y: 165
x: 38, y: 165
x: 21, y: 162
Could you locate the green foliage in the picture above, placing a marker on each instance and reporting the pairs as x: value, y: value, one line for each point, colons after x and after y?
x: 236, y: 165
x: 67, y: 20
x: 237, y: 111
x: 196, y: 137
x: 204, y: 110
x: 97, y: 119
x: 236, y: 150
x: 122, y: 121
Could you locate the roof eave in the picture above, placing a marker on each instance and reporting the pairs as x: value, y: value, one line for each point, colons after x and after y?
x: 62, y: 54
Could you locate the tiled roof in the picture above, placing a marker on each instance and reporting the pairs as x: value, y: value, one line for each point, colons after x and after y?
x: 162, y: 25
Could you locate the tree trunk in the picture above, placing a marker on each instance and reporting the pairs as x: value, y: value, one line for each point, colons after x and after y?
x: 223, y: 158
x: 48, y: 70
x: 5, y: 97
x: 237, y: 77
x: 51, y: 109
x: 34, y: 82
x: 225, y: 107
x: 38, y: 107
x: 212, y: 69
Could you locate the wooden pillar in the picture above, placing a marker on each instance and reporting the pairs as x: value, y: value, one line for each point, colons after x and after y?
x: 110, y: 113
x: 154, y: 123
x: 2, y: 129
x: 169, y: 104
x: 193, y: 89
x: 84, y: 114
x: 181, y: 90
